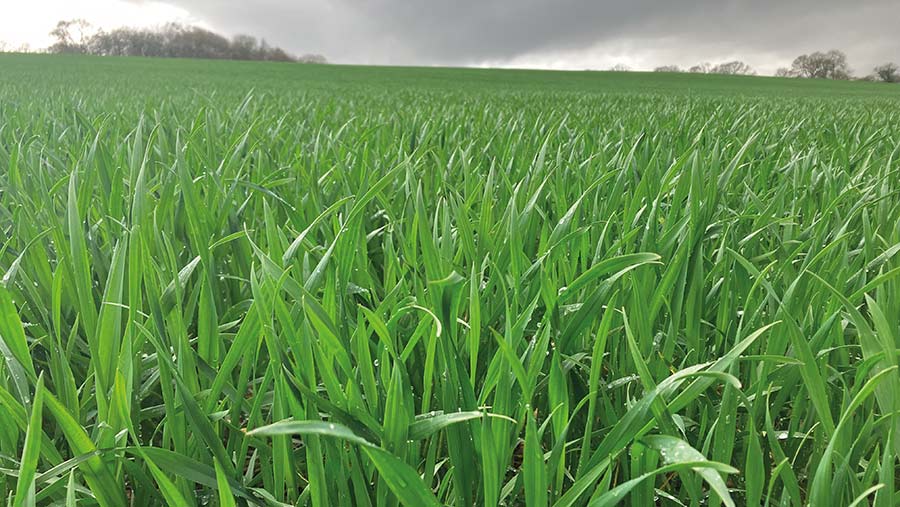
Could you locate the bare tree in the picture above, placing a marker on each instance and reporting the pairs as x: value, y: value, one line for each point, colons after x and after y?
x: 620, y: 67
x: 830, y: 65
x: 244, y: 47
x: 72, y: 36
x: 127, y: 42
x: 701, y: 68
x: 734, y: 68
x: 667, y: 68
x: 785, y: 72
x: 6, y: 47
x: 312, y: 58
x: 888, y: 72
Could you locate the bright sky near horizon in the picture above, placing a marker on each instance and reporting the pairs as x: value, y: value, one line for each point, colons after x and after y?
x: 558, y: 34
x: 31, y: 22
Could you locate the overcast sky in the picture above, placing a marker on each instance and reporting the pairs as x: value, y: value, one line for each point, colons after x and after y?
x: 564, y: 34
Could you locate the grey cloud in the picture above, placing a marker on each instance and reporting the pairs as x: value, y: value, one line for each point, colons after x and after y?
x: 467, y: 32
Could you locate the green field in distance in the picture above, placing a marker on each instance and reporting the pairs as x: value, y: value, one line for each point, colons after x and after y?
x: 234, y: 283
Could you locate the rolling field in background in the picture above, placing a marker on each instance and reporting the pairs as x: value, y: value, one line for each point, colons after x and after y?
x: 233, y: 283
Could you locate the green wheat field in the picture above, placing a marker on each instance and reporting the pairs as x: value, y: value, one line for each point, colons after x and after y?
x: 270, y: 284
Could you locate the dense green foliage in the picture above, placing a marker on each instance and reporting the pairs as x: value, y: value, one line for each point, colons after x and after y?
x: 231, y: 283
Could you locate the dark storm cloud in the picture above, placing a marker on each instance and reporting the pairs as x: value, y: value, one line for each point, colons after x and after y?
x: 476, y: 31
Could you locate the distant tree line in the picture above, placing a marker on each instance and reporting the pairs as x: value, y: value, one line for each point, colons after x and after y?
x: 179, y: 41
x: 733, y: 68
x: 818, y: 65
x: 5, y: 47
x: 833, y: 65
x: 172, y: 40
